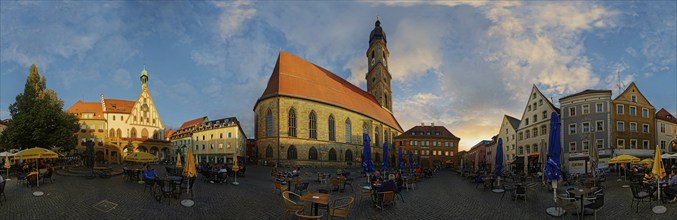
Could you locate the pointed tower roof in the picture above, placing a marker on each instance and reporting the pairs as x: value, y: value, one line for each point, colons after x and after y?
x: 377, y: 33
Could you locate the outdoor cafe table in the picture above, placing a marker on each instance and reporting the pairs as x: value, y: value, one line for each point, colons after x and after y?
x: 579, y: 193
x: 316, y: 199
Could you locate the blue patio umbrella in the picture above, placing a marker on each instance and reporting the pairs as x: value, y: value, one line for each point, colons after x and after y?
x: 499, y: 158
x: 411, y: 160
x: 384, y: 166
x: 367, y: 165
x: 418, y: 161
x: 552, y: 167
x: 400, y: 163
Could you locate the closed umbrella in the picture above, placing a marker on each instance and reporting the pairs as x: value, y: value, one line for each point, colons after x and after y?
x: 384, y: 167
x: 499, y: 158
x: 411, y: 160
x: 7, y: 165
x: 552, y: 167
x: 178, y: 160
x: 36, y: 153
x: 367, y: 165
x: 659, y: 172
x: 400, y: 163
x: 418, y: 161
x: 235, y: 166
x: 189, y: 171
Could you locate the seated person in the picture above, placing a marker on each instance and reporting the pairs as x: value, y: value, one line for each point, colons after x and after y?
x: 389, y: 185
x: 399, y: 181
x: 376, y: 178
x: 672, y: 186
x: 149, y: 174
x: 32, y: 178
x: 223, y: 174
x: 648, y: 178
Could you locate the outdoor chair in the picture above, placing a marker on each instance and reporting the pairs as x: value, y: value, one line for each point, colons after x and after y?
x: 301, y: 216
x: 279, y: 187
x: 385, y: 198
x: 348, y: 182
x: 564, y: 204
x: 148, y: 184
x: 341, y: 207
x: 398, y: 193
x: 521, y: 192
x: 366, y: 193
x: 597, y: 203
x: 300, y: 188
x: 291, y: 203
x: 410, y: 184
x: 2, y: 190
x: 508, y: 187
x: 324, y: 177
x: 222, y: 177
x: 32, y: 180
x: 640, y: 194
x: 336, y: 184
x: 48, y: 175
x: 21, y: 178
x: 322, y: 206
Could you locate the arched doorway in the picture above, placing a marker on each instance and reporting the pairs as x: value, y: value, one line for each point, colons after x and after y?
x: 142, y: 149
x: 153, y: 151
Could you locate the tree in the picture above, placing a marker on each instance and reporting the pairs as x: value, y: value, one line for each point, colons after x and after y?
x: 38, y: 119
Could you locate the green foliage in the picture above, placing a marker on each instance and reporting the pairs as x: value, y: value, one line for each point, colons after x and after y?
x: 38, y: 119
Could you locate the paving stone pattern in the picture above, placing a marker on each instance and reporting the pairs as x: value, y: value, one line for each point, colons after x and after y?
x: 444, y: 196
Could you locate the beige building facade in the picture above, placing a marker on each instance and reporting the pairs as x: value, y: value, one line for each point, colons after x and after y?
x: 666, y: 131
x: 532, y: 134
x: 508, y: 134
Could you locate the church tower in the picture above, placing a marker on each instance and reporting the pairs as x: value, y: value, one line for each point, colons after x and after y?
x: 144, y: 78
x: 378, y: 77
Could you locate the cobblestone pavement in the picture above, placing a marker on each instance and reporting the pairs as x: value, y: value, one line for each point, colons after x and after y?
x: 445, y: 196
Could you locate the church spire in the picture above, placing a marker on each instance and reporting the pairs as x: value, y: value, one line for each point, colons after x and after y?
x: 144, y: 77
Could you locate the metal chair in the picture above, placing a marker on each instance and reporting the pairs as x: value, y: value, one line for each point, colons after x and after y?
x: 639, y: 194
x: 341, y: 207
x: 2, y: 190
x: 291, y: 205
x: 385, y: 198
x: 348, y: 182
x: 301, y: 216
x: 597, y: 203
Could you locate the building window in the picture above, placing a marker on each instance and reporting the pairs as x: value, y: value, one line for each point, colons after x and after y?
x: 376, y: 137
x: 586, y: 127
x: 572, y: 128
x: 528, y: 108
x: 599, y: 143
x: 662, y: 128
x: 633, y: 98
x: 572, y: 111
x: 349, y: 155
x: 332, y: 136
x: 527, y: 122
x: 535, y: 132
x: 544, y: 129
x: 633, y: 111
x: 645, y: 128
x: 312, y: 124
x: 586, y: 145
x: 572, y: 146
x: 662, y: 145
x: 599, y: 126
x: 535, y: 118
x: 411, y: 143
x: 645, y: 144
x: 620, y: 126
x: 519, y: 136
x: 619, y: 109
x: 540, y: 102
x: 269, y: 152
x: 620, y: 143
x: 520, y: 150
x: 633, y: 144
x: 113, y: 117
x: 600, y: 107
x: 292, y: 123
x: 332, y: 154
x: 312, y: 153
x: 527, y: 134
x: 348, y: 130
x: 645, y: 112
x: 586, y: 109
x: 633, y: 127
x: 230, y: 135
x: 269, y: 123
x: 291, y: 153
x: 545, y: 115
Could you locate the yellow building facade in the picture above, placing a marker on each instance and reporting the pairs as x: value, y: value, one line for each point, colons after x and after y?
x: 633, y: 123
x: 212, y: 141
x: 114, y: 125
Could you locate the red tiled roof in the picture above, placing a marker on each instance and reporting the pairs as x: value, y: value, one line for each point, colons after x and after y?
x: 87, y: 107
x: 666, y: 116
x: 194, y: 122
x: 444, y: 133
x: 119, y: 106
x: 168, y: 133
x: 296, y: 77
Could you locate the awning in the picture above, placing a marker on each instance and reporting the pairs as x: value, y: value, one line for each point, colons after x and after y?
x: 534, y: 154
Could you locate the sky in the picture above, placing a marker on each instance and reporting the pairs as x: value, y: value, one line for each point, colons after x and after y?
x: 462, y: 65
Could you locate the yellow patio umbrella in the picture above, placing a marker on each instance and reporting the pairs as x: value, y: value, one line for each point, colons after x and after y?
x: 624, y: 159
x: 647, y: 162
x: 178, y: 159
x: 658, y: 170
x: 7, y: 165
x: 141, y: 157
x: 189, y: 171
x: 36, y: 153
x: 235, y: 166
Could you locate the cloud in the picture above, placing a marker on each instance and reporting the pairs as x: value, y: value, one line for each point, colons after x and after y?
x: 123, y: 78
x: 233, y: 15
